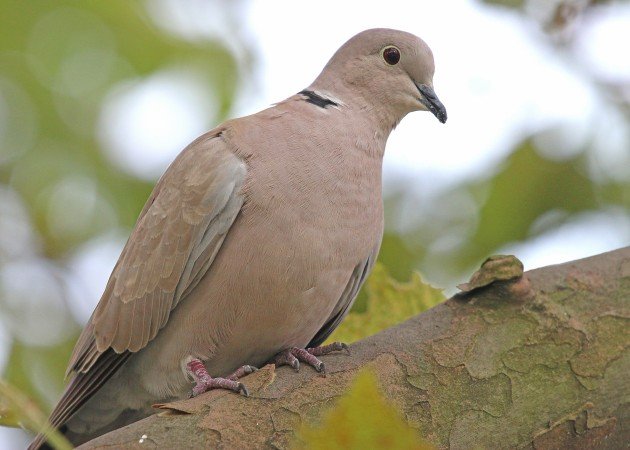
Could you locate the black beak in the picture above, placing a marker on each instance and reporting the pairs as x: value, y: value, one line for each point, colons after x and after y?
x: 430, y: 100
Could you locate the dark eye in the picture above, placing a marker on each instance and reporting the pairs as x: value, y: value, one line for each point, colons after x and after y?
x: 391, y: 55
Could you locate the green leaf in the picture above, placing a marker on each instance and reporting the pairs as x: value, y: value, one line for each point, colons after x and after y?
x: 527, y: 187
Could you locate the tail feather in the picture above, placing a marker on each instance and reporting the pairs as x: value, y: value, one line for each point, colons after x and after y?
x: 79, y: 390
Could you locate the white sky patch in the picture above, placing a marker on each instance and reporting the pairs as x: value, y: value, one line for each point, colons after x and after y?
x: 494, y: 79
x: 17, y: 237
x: 603, y: 42
x: 589, y: 234
x: 13, y: 438
x: 32, y: 293
x: 197, y: 20
x: 5, y: 347
x: 144, y: 124
x: 90, y: 265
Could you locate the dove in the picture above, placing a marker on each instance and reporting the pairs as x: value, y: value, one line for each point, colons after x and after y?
x: 253, y: 245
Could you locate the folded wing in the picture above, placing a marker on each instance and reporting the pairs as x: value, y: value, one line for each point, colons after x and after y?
x: 177, y: 236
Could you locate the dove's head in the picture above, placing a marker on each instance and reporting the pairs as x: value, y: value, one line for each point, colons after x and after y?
x: 390, y: 71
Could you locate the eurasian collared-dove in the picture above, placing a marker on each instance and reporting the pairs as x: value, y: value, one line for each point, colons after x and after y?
x: 254, y: 243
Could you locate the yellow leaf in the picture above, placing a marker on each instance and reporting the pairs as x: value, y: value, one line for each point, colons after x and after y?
x: 389, y: 302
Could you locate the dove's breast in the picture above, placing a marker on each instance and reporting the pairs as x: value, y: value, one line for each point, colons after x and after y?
x: 313, y: 215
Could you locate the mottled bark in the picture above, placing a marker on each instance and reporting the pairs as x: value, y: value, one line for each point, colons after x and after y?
x: 505, y: 367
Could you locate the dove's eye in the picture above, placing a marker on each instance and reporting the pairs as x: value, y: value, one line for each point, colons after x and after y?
x: 391, y: 55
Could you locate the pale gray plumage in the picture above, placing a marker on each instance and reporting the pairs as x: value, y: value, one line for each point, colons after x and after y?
x: 256, y: 239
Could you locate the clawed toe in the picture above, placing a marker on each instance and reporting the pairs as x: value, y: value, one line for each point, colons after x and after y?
x: 204, y: 382
x: 241, y: 372
x: 208, y: 384
x: 293, y: 356
x: 287, y: 358
x: 326, y: 349
x: 242, y: 388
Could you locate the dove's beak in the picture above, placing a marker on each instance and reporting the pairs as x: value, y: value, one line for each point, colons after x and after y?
x: 432, y: 102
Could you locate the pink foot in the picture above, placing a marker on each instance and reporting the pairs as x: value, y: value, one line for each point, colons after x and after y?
x: 292, y: 356
x: 204, y: 382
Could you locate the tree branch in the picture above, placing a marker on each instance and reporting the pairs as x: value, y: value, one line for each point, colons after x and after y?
x: 504, y: 367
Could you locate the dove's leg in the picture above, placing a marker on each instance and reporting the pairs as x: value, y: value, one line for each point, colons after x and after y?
x: 204, y: 382
x: 292, y: 356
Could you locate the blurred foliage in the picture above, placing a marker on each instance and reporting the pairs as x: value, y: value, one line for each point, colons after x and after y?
x: 59, y: 60
x: 547, y: 186
x: 361, y: 419
x: 387, y: 302
x: 60, y: 190
x: 536, y: 189
x: 59, y: 63
x: 38, y: 371
x: 16, y: 409
x: 554, y: 16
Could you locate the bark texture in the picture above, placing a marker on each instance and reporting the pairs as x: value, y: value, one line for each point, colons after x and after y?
x: 506, y: 366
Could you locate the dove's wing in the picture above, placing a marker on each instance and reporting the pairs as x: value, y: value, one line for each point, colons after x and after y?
x: 177, y: 236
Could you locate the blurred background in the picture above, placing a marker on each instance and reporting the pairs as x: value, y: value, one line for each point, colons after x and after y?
x: 96, y: 99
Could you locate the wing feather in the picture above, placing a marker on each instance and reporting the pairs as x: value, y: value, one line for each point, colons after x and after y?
x: 349, y: 295
x: 81, y: 388
x: 196, y: 203
x: 178, y: 234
